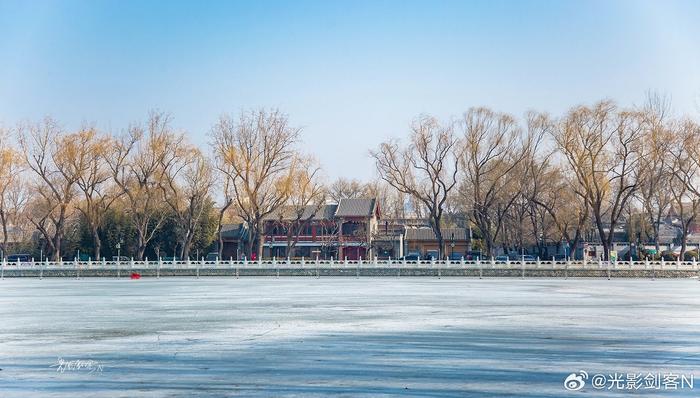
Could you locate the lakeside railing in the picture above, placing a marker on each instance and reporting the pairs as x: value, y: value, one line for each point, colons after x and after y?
x: 274, y: 263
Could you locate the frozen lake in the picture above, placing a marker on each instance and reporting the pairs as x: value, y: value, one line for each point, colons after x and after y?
x: 184, y: 337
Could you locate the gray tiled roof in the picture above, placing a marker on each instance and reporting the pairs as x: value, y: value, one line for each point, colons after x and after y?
x: 356, y: 207
x: 325, y: 212
x: 428, y: 234
x: 233, y: 231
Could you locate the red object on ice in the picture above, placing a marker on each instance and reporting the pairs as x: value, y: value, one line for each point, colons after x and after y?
x: 135, y: 275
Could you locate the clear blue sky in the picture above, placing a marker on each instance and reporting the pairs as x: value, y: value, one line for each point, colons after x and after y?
x: 352, y: 73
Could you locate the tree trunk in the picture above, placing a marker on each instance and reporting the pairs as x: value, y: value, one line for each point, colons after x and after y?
x: 186, y: 244
x: 219, y: 236
x: 4, y: 235
x: 609, y: 240
x: 97, y: 243
x: 684, y: 238
x: 249, y: 244
x: 684, y: 243
x: 186, y: 248
x: 141, y: 247
x: 260, y: 242
x: 601, y: 235
x: 573, y: 244
x: 656, y: 237
x: 291, y: 243
x: 220, y: 244
x: 57, y: 247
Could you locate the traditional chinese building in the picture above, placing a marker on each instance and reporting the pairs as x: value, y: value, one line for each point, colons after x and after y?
x: 423, y: 241
x: 327, y: 231
x: 352, y: 229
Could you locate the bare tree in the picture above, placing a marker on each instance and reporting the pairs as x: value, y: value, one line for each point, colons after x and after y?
x: 88, y: 161
x: 425, y: 169
x: 305, y: 201
x: 392, y: 202
x: 186, y: 184
x: 654, y: 193
x: 602, y: 148
x: 344, y: 188
x: 685, y: 169
x: 258, y: 152
x: 12, y: 197
x: 567, y: 208
x: 46, y: 149
x: 221, y: 176
x: 138, y: 165
x: 494, y: 147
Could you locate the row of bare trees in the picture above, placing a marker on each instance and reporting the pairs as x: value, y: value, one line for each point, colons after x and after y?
x: 550, y: 179
x: 516, y: 184
x: 152, y: 175
x: 53, y: 176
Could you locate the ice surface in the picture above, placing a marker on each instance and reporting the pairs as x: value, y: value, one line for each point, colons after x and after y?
x: 184, y: 337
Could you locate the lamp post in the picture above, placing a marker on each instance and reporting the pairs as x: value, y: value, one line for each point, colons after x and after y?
x: 119, y: 250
